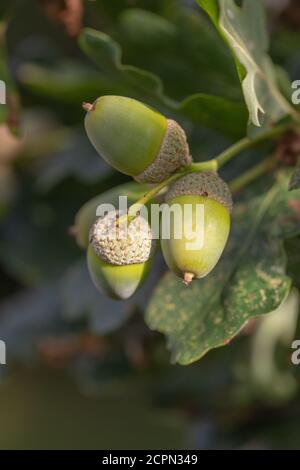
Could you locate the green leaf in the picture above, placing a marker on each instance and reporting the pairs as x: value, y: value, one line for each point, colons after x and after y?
x: 211, y: 8
x: 250, y: 280
x: 221, y: 114
x: 245, y: 30
x: 201, y: 63
x: 106, y: 52
x: 216, y: 113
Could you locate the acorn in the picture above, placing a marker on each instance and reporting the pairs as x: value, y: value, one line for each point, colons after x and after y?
x: 186, y: 255
x: 135, y: 139
x: 87, y: 214
x: 120, y: 254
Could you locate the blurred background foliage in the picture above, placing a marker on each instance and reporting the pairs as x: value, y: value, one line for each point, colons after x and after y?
x: 84, y: 371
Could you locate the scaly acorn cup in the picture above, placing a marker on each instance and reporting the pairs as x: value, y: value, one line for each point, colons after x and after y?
x: 187, y: 255
x: 135, y: 139
x: 120, y: 254
x: 87, y: 214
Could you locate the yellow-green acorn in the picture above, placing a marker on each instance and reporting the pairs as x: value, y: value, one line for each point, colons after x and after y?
x: 184, y: 255
x: 135, y: 139
x: 120, y: 254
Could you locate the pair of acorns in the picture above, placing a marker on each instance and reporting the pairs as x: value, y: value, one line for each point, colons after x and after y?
x: 140, y: 142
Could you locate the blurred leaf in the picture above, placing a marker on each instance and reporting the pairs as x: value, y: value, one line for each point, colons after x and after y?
x: 9, y: 112
x: 7, y: 188
x: 220, y: 114
x: 249, y: 280
x: 69, y: 14
x: 292, y: 248
x: 277, y: 328
x: 111, y: 10
x: 192, y: 51
x: 35, y: 244
x: 295, y: 179
x: 286, y: 217
x: 77, y: 158
x: 143, y: 25
x: 212, y: 111
x: 25, y: 318
x: 94, y: 376
x: 283, y: 81
x: 69, y: 82
x: 80, y: 298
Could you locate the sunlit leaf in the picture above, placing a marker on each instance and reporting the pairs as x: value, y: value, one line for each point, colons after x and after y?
x: 245, y: 31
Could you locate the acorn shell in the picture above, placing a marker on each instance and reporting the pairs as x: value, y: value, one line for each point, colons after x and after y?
x: 87, y: 214
x: 120, y: 243
x: 206, y: 183
x: 173, y: 154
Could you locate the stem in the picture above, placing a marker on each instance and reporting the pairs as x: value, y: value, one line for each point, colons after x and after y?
x: 214, y: 164
x: 247, y: 143
x: 258, y: 170
x: 239, y: 147
x: 209, y: 165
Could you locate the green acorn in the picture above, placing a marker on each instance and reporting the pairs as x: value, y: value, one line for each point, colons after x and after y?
x: 120, y: 254
x: 184, y: 255
x: 135, y: 139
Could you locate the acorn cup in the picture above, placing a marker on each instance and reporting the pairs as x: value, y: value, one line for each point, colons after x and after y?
x: 135, y: 139
x: 87, y: 214
x: 187, y: 256
x: 120, y: 254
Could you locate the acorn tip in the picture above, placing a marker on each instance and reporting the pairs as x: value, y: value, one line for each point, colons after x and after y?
x: 87, y: 106
x: 187, y: 278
